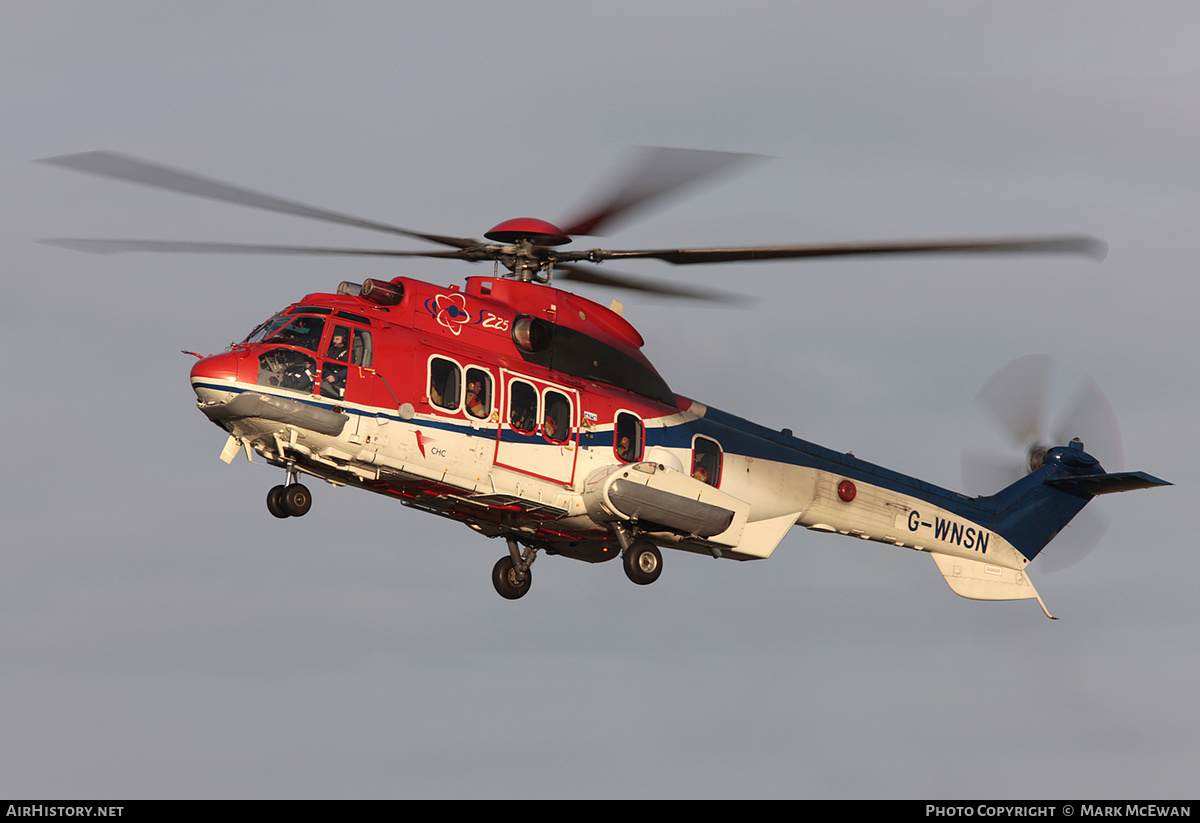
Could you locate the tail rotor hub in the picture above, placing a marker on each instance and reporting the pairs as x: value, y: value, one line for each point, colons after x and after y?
x: 1037, y: 456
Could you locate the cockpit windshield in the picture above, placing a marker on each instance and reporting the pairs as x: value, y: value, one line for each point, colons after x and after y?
x: 264, y: 330
x: 301, y: 331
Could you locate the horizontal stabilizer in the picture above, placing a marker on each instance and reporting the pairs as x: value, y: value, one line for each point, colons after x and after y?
x: 1089, y: 485
x: 978, y: 580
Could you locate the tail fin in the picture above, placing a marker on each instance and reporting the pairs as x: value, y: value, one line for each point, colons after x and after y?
x: 1032, y: 511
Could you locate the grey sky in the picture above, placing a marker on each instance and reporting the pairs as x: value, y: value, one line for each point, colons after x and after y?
x: 163, y: 636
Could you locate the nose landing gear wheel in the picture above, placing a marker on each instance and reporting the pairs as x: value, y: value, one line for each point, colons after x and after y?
x: 643, y: 562
x: 509, y: 583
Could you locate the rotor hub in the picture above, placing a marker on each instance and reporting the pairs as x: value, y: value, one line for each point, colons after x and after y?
x: 1037, y: 456
x: 528, y: 229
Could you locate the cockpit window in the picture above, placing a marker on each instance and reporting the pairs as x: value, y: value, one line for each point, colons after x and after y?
x: 302, y: 331
x: 360, y: 348
x: 266, y: 329
x: 297, y: 331
x: 286, y: 369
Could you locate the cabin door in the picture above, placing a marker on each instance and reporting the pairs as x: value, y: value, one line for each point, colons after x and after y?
x: 538, y: 431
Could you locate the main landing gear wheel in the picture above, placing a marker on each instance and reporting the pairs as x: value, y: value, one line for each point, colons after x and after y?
x: 643, y: 562
x: 275, y: 502
x: 289, y: 501
x: 509, y: 583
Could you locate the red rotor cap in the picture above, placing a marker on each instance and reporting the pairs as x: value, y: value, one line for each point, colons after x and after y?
x: 528, y: 228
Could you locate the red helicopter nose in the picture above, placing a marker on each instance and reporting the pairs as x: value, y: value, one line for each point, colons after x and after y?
x: 215, y: 371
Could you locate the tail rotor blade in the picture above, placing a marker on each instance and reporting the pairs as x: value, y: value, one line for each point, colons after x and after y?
x: 986, y: 473
x: 1075, y: 542
x: 1091, y: 419
x: 1015, y: 398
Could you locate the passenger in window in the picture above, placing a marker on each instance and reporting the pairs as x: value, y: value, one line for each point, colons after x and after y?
x: 476, y: 405
x: 436, y: 396
x: 625, y: 449
x: 522, y: 420
x: 706, y: 461
x: 522, y: 414
x: 445, y: 381
x: 555, y: 426
x: 627, y: 437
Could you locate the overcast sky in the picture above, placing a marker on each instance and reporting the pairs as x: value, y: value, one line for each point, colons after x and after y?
x: 164, y: 636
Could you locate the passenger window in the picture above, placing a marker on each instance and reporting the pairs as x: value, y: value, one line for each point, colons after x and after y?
x: 444, y: 383
x: 522, y: 407
x: 479, y: 393
x: 627, y: 438
x: 706, y: 461
x: 557, y: 424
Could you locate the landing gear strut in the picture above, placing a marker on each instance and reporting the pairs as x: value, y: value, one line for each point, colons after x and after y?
x: 511, y: 575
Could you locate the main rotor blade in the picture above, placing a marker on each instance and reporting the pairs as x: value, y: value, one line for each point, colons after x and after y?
x: 1067, y: 244
x: 581, y: 274
x: 191, y: 247
x: 132, y: 170
x: 653, y: 172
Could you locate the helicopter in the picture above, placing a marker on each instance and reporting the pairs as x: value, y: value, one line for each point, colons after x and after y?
x: 531, y: 414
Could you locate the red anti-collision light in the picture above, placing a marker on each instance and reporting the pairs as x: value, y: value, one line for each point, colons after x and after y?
x: 846, y: 491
